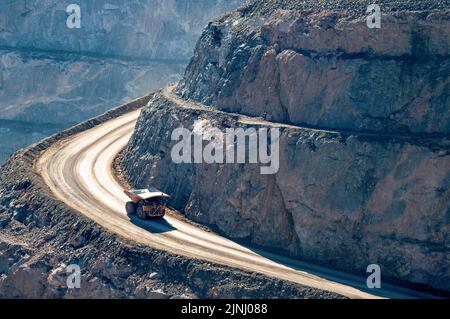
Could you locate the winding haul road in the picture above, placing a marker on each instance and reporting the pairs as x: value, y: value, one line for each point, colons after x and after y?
x: 79, y: 172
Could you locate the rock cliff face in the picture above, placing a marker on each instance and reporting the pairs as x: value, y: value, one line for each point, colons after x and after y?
x: 42, y: 93
x: 138, y: 28
x: 66, y: 89
x: 40, y: 236
x: 342, y: 197
x: 124, y: 49
x: 343, y: 200
x: 326, y: 68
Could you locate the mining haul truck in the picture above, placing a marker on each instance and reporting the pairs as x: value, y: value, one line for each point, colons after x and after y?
x: 146, y: 203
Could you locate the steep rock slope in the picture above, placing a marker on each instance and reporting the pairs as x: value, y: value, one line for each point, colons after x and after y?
x: 124, y: 49
x: 40, y: 236
x: 42, y: 93
x: 138, y: 28
x: 326, y: 68
x: 66, y: 89
x: 343, y: 198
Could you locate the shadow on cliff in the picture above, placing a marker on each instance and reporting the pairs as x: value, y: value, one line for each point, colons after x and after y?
x: 157, y: 226
x: 389, y: 289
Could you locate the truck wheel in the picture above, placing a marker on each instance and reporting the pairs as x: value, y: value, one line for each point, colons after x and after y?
x: 130, y: 207
x: 140, y: 213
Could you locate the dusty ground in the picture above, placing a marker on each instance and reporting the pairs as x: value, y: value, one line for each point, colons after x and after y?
x: 40, y: 235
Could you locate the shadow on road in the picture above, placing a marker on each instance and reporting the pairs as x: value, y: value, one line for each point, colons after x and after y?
x: 156, y: 226
x: 388, y: 290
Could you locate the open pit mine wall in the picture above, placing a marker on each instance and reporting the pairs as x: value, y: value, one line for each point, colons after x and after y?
x: 144, y: 29
x: 40, y: 236
x: 122, y: 50
x: 327, y: 68
x: 345, y: 200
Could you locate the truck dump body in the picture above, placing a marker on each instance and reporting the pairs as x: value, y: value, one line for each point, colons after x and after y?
x: 137, y: 195
x: 146, y: 203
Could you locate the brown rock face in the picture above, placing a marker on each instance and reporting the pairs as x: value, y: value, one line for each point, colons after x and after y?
x: 342, y: 197
x: 344, y: 200
x: 326, y: 68
x: 40, y: 236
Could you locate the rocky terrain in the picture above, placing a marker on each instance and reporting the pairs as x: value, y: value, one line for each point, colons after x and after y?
x: 327, y: 68
x: 162, y: 30
x: 370, y: 188
x: 42, y: 93
x: 52, y: 77
x: 65, y: 89
x: 373, y: 187
x: 40, y: 236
